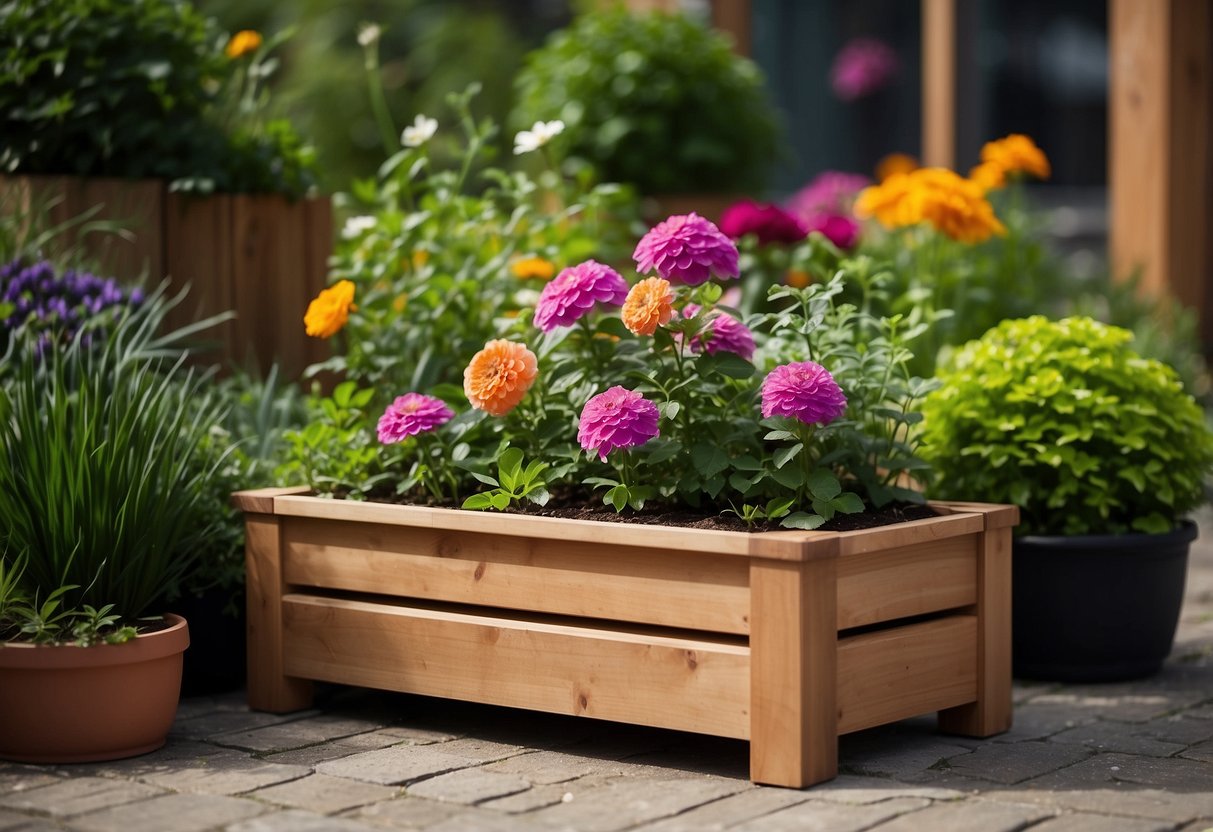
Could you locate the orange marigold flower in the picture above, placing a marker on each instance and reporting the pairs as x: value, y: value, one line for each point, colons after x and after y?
x: 895, y: 163
x: 989, y: 176
x: 893, y: 202
x: 527, y: 268
x: 797, y: 278
x: 242, y: 43
x: 649, y: 305
x: 1017, y: 153
x: 956, y: 206
x: 329, y: 311
x: 499, y: 375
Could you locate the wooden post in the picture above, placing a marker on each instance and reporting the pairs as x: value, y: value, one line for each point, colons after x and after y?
x: 939, y: 83
x: 991, y: 713
x: 269, y: 688
x: 733, y: 18
x: 1159, y: 149
x: 793, y: 671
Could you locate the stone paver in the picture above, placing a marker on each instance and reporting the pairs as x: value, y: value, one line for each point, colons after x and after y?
x: 77, y: 796
x: 629, y: 802
x: 963, y: 817
x: 1110, y: 736
x: 814, y: 816
x: 324, y: 794
x: 731, y: 811
x: 469, y: 786
x: 404, y: 763
x: 231, y: 778
x: 1072, y: 822
x: 408, y: 813
x: 1015, y: 763
x: 295, y: 820
x: 178, y: 812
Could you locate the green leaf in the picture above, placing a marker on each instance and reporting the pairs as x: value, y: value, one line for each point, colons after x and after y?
x: 539, y: 496
x: 478, y: 502
x: 790, y: 477
x: 709, y: 459
x: 778, y: 508
x: 485, y: 478
x: 780, y: 436
x: 508, y: 465
x: 823, y: 485
x: 847, y: 503
x: 784, y: 455
x: 617, y: 498
x: 500, y: 500
x: 802, y: 520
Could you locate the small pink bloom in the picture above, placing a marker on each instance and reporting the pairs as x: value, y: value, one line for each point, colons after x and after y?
x: 686, y: 249
x: 830, y: 192
x: 862, y: 67
x: 727, y: 334
x: 573, y: 293
x: 617, y: 418
x: 842, y: 231
x: 410, y: 415
x: 802, y: 390
x: 769, y: 223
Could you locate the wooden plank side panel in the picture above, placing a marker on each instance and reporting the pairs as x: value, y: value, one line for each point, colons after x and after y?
x: 198, y: 254
x: 932, y: 529
x: 683, y: 684
x: 906, y: 581
x: 905, y: 671
x: 137, y: 206
x: 694, y: 591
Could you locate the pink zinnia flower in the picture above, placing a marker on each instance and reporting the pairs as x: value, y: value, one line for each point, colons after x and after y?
x: 802, y: 390
x: 830, y: 192
x: 410, y: 415
x: 573, y: 293
x: 862, y: 67
x: 686, y: 249
x: 727, y: 334
x: 769, y: 223
x: 618, y: 418
x: 842, y: 231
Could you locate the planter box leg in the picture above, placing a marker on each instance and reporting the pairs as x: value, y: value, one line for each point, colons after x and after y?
x: 991, y: 713
x: 269, y: 688
x: 793, y: 663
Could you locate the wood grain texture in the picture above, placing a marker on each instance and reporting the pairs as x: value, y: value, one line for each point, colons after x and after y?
x: 997, y: 515
x: 645, y: 679
x: 884, y: 585
x: 198, y: 254
x: 992, y: 712
x: 261, y: 500
x: 793, y: 644
x: 690, y: 590
x: 908, y: 534
x: 901, y: 672
x: 269, y: 688
x: 939, y: 83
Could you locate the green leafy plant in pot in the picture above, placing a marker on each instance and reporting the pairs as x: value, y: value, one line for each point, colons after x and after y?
x: 1104, y: 453
x: 102, y: 504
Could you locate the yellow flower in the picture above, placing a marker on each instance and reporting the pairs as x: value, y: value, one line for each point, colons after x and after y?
x: 895, y: 163
x: 893, y: 202
x: 533, y: 267
x: 420, y: 258
x: 242, y: 43
x: 399, y: 303
x: 329, y: 311
x: 989, y: 176
x: 952, y: 204
x: 1017, y: 153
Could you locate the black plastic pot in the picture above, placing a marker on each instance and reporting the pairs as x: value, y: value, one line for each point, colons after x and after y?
x: 1097, y: 608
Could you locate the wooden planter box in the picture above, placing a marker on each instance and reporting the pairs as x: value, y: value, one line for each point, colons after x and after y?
x: 786, y: 639
x: 260, y: 255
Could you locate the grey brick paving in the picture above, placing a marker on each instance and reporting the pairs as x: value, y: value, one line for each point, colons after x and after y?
x: 1074, y: 822
x: 324, y: 794
x: 9, y: 820
x: 288, y: 735
x: 469, y: 786
x: 176, y: 812
x: 242, y: 776
x: 408, y: 813
x: 730, y: 811
x: 1108, y: 736
x: 74, y: 797
x: 295, y: 820
x: 964, y: 817
x: 627, y: 803
x: 1016, y: 763
x: 815, y: 816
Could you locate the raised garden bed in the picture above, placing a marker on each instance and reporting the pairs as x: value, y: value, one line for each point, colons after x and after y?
x: 786, y: 639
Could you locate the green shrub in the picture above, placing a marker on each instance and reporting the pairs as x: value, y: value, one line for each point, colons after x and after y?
x: 653, y: 100
x: 1066, y: 421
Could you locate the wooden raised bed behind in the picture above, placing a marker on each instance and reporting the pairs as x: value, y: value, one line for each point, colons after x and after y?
x: 786, y: 639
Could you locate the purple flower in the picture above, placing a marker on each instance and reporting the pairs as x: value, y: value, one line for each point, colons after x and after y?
x: 686, y: 249
x: 839, y: 229
x: 770, y: 223
x: 862, y: 67
x: 573, y: 293
x: 830, y: 192
x: 726, y: 334
x: 410, y: 415
x: 617, y: 418
x: 802, y: 390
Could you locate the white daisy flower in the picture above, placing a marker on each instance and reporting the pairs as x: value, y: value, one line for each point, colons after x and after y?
x: 356, y: 226
x: 368, y: 34
x: 539, y: 135
x: 420, y: 132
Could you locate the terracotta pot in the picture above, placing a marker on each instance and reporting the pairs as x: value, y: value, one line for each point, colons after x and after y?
x: 69, y: 704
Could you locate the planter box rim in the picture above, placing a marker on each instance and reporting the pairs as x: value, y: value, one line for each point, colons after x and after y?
x: 790, y: 545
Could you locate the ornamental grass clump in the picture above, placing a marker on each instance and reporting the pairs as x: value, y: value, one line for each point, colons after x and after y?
x: 1065, y: 420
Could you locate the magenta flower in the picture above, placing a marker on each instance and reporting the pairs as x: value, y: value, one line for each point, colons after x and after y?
x: 839, y: 229
x: 410, y: 415
x: 617, y: 418
x: 727, y: 334
x: 830, y: 192
x: 802, y: 390
x: 573, y: 293
x: 770, y: 223
x: 686, y: 249
x: 862, y: 67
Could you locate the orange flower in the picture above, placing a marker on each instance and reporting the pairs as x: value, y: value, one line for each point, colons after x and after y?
x: 329, y: 311
x: 989, y: 176
x: 956, y: 206
x: 895, y: 163
x: 499, y: 375
x: 893, y: 202
x: 242, y: 43
x: 1017, y: 153
x: 649, y: 305
x: 797, y: 278
x: 533, y: 267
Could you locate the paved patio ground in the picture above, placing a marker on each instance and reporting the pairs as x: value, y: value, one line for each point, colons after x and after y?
x: 1135, y: 757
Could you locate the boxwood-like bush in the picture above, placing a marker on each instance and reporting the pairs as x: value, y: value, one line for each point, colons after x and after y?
x: 1066, y: 421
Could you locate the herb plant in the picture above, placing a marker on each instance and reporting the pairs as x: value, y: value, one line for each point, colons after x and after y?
x: 1066, y: 421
